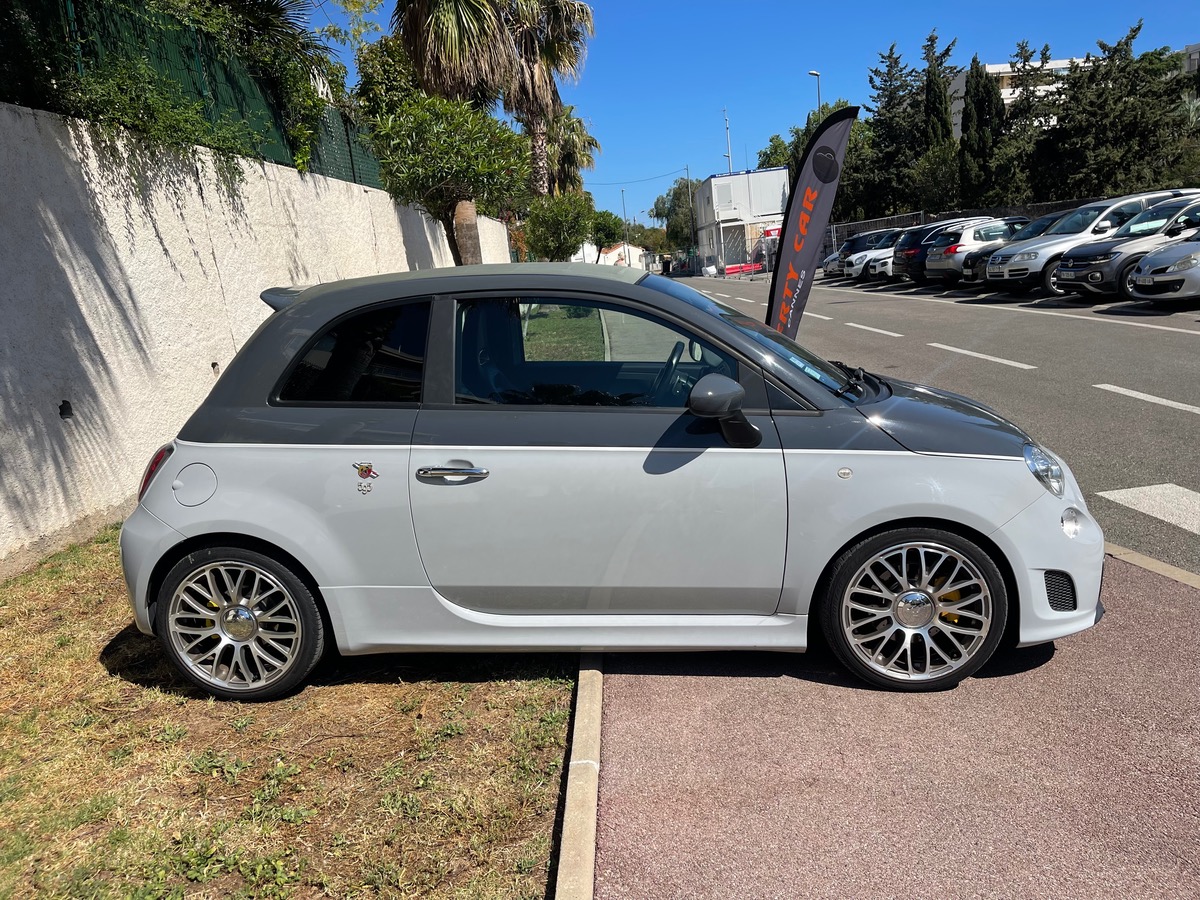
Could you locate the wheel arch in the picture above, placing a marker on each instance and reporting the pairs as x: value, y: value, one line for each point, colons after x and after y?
x: 243, y: 542
x: 1011, y: 628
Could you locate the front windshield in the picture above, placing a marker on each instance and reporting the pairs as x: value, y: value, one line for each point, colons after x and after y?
x: 1034, y: 229
x: 781, y: 347
x: 1148, y: 221
x: 889, y: 240
x: 1075, y: 222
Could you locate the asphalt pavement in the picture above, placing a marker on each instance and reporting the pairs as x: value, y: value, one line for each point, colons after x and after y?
x: 1066, y: 770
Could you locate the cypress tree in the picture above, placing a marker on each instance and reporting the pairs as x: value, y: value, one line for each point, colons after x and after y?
x: 982, y: 124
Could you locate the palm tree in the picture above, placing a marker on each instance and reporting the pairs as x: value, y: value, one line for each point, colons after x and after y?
x: 570, y: 150
x: 460, y: 49
x: 549, y: 38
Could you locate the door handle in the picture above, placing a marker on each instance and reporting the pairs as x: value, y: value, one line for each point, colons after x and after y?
x: 469, y: 473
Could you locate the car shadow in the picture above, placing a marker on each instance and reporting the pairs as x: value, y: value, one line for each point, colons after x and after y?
x: 1147, y: 309
x: 139, y: 660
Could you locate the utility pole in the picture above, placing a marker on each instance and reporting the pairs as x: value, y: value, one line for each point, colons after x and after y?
x: 728, y: 151
x: 626, y: 218
x: 817, y: 75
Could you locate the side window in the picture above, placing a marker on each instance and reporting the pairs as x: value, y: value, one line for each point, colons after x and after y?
x: 374, y: 357
x: 1124, y: 213
x: 533, y: 352
x: 993, y: 233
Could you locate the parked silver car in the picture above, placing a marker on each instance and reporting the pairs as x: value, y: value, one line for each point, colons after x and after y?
x: 1107, y: 267
x: 569, y: 456
x: 950, y: 248
x: 974, y: 264
x: 1171, y: 274
x: 1023, y: 264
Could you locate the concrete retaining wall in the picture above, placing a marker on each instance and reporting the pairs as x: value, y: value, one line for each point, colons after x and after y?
x: 128, y: 282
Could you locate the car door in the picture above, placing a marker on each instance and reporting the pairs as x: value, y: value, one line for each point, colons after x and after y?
x: 563, y: 474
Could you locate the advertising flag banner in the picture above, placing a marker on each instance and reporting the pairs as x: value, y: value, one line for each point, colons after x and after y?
x: 804, y: 222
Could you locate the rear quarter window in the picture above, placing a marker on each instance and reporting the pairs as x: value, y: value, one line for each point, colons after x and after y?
x: 371, y: 357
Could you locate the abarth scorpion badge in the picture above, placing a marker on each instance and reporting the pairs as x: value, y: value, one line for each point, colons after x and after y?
x: 366, y: 471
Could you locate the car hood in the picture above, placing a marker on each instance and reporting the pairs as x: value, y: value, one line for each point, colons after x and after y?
x: 1126, y: 245
x: 928, y: 420
x: 1164, y: 256
x: 1049, y: 244
x: 986, y: 249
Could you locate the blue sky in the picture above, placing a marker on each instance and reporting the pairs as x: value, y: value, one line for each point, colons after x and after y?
x: 659, y: 73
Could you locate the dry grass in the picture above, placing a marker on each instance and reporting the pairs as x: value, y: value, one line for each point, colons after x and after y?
x: 388, y: 776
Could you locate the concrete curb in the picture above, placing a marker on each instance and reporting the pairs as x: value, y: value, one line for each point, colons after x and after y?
x: 1152, y: 565
x: 577, y: 849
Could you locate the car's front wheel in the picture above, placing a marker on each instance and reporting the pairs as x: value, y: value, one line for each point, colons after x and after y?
x: 239, y: 624
x: 915, y: 609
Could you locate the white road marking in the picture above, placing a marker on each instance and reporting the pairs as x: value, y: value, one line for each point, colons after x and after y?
x: 995, y: 359
x: 726, y: 296
x: 816, y: 316
x: 1168, y: 502
x: 743, y: 299
x: 1016, y: 309
x: 1149, y: 398
x: 876, y: 330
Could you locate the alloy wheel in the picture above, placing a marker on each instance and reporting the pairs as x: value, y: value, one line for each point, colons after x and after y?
x: 235, y: 626
x: 917, y: 611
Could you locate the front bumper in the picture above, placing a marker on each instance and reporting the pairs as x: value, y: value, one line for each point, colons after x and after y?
x: 1098, y: 278
x: 1045, y: 560
x: 1024, y: 272
x: 1173, y: 286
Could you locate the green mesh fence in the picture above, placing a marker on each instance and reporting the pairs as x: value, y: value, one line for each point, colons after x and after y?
x: 44, y: 39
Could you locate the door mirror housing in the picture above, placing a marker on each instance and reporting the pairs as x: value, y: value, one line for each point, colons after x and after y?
x: 718, y: 397
x: 1103, y: 226
x: 1175, y: 230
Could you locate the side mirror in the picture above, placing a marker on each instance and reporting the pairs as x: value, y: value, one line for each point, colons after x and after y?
x: 718, y: 397
x: 1105, y: 225
x: 1175, y: 230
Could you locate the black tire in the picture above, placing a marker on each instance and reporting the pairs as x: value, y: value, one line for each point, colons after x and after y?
x: 865, y: 632
x: 1125, y: 280
x: 1050, y: 280
x: 265, y: 633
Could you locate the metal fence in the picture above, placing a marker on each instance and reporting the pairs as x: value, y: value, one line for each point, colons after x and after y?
x: 87, y: 34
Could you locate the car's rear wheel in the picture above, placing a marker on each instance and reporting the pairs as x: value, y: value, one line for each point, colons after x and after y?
x: 239, y: 624
x: 915, y: 609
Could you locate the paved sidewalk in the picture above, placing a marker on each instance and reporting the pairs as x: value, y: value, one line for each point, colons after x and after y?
x: 1068, y: 770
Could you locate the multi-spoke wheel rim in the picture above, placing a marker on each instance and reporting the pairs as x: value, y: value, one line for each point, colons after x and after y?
x: 235, y: 625
x: 917, y: 611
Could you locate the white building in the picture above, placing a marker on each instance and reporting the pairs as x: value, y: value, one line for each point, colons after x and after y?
x: 620, y: 254
x: 1003, y: 73
x: 733, y: 210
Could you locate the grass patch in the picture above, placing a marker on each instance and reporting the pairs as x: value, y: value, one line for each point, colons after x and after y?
x: 562, y: 334
x: 396, y: 775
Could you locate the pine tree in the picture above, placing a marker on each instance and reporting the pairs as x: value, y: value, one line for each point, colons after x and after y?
x: 1033, y: 108
x: 938, y: 74
x: 982, y: 125
x: 896, y: 130
x: 1121, y: 126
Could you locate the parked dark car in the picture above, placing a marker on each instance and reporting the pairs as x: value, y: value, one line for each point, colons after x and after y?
x: 1107, y: 267
x: 865, y: 240
x: 908, y: 258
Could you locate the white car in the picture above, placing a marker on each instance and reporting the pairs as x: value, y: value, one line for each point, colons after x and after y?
x: 568, y: 457
x: 859, y: 265
x: 1171, y: 274
x: 832, y: 266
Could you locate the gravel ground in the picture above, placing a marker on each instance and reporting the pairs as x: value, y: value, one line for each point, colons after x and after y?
x: 1067, y: 770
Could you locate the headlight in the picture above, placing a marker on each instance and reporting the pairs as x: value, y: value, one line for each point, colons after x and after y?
x: 1182, y: 265
x: 858, y: 260
x: 1021, y: 257
x: 1045, y: 468
x: 1107, y: 257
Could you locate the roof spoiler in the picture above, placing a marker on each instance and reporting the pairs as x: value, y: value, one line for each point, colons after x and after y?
x: 279, y: 297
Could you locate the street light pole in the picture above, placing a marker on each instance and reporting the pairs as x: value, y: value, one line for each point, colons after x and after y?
x: 817, y: 75
x: 625, y: 248
x: 691, y: 216
x: 728, y: 151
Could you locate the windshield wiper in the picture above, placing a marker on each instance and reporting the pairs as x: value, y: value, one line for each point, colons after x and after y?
x: 855, y: 379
